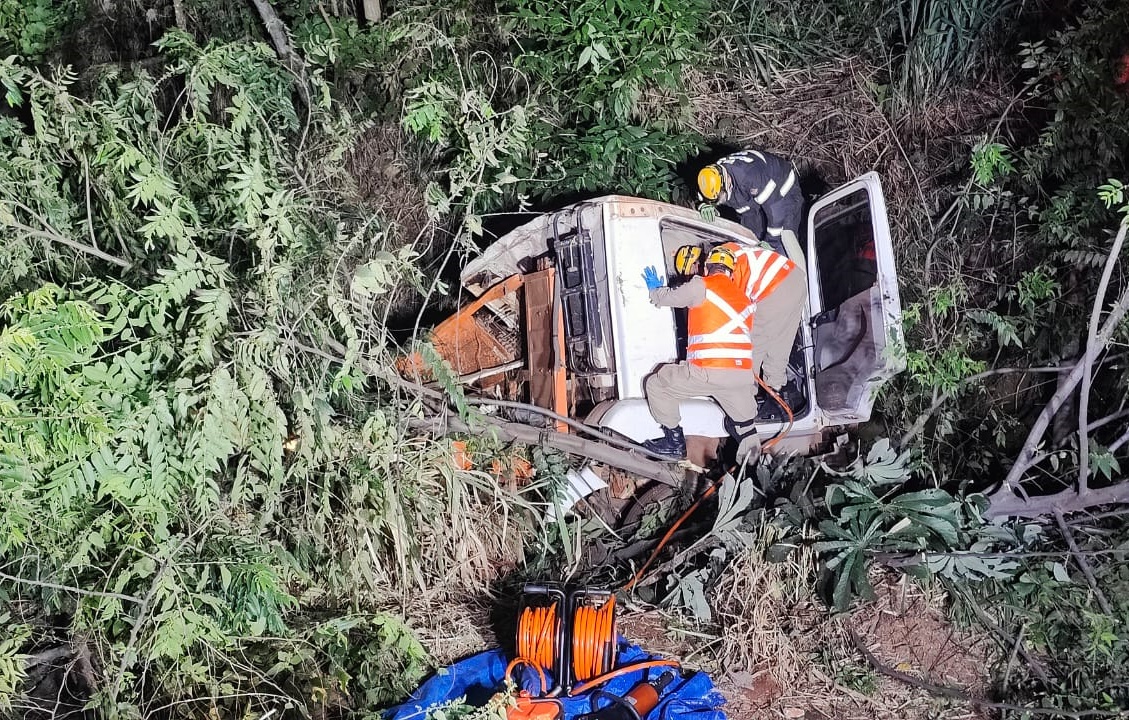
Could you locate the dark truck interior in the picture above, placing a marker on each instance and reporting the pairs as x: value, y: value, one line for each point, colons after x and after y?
x: 849, y: 329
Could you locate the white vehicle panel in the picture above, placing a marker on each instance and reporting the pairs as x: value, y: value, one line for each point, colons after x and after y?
x: 859, y: 343
x: 644, y: 334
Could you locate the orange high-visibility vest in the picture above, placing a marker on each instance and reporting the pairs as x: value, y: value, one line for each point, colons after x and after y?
x: 719, y: 329
x: 758, y: 270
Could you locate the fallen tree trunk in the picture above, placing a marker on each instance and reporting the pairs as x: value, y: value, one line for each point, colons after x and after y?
x: 667, y: 472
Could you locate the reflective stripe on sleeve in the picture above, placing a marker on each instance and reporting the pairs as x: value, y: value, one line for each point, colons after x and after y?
x: 743, y: 157
x: 775, y: 232
x: 743, y: 209
x: 766, y: 193
x: 788, y: 183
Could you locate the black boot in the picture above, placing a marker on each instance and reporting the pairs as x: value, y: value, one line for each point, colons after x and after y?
x: 672, y: 444
x: 745, y: 437
x: 768, y: 410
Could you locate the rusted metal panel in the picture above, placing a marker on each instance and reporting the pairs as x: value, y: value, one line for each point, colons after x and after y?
x: 539, y: 336
x: 468, y: 340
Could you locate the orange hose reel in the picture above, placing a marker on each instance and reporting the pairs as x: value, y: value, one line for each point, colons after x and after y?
x: 569, y: 633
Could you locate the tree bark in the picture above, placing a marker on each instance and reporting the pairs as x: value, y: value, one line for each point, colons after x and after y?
x: 280, y: 40
x: 1004, y: 500
x: 667, y: 472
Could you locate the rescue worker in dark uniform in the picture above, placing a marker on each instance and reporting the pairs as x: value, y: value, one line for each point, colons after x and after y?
x: 761, y: 188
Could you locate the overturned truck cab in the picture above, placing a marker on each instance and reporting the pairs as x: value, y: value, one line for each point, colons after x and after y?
x: 562, y: 318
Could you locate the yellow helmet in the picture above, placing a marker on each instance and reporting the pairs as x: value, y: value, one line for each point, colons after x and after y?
x: 685, y: 258
x: 710, y: 181
x: 722, y: 256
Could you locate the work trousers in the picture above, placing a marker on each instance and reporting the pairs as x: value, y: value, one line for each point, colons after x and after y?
x: 774, y: 327
x: 734, y: 390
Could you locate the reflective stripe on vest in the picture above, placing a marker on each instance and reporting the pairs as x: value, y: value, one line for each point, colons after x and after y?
x: 719, y: 329
x: 758, y: 271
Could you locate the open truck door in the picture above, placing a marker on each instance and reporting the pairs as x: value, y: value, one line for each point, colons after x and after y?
x: 856, y: 311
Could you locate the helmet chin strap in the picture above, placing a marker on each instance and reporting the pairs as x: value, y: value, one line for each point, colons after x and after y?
x: 723, y: 193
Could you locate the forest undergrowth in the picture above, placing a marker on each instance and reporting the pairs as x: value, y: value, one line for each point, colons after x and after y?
x: 219, y: 498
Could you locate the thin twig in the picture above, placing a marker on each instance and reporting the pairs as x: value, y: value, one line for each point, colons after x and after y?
x: 70, y: 588
x: 905, y: 155
x: 1083, y: 564
x: 1033, y: 663
x: 63, y: 240
x: 923, y: 418
x: 893, y: 558
x: 960, y: 695
x: 1014, y: 654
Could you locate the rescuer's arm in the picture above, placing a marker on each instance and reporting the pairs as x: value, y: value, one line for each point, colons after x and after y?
x: 688, y: 294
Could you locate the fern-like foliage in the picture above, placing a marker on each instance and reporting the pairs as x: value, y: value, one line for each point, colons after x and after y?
x: 186, y: 479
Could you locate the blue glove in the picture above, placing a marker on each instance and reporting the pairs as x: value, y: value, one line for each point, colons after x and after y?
x: 651, y: 277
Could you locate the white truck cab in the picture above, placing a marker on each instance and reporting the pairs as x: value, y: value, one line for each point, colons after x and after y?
x: 574, y: 291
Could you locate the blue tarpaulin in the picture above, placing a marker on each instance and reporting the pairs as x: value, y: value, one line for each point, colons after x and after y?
x: 480, y: 676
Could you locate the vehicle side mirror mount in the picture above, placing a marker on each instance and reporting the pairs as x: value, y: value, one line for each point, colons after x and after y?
x: 829, y: 315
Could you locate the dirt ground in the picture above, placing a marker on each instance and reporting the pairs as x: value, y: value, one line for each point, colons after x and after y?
x: 791, y: 659
x: 820, y: 675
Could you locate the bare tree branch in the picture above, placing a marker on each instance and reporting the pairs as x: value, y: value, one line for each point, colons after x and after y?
x: 1119, y: 442
x: 55, y: 236
x: 1083, y: 564
x: 1113, y: 417
x: 70, y: 588
x: 1087, y: 372
x: 1067, y: 501
x: 667, y: 472
x: 962, y: 696
x: 1005, y: 495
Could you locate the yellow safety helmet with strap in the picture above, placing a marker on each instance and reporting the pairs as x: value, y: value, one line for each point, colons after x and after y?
x: 685, y: 258
x: 710, y: 181
x: 722, y: 256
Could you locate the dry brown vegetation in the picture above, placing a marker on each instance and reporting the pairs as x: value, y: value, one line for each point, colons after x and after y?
x: 830, y: 119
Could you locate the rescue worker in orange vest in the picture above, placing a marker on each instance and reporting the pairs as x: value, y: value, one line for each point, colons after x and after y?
x: 719, y: 356
x: 778, y: 289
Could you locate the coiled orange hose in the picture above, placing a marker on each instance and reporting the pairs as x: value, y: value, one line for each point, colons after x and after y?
x: 593, y: 639
x: 537, y: 635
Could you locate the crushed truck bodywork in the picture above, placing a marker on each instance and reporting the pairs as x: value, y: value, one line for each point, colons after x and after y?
x: 562, y: 319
